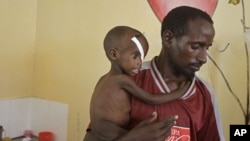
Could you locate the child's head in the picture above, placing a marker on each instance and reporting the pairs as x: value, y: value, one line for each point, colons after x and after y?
x: 125, y: 47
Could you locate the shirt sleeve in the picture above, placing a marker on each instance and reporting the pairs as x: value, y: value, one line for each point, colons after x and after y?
x: 214, y: 112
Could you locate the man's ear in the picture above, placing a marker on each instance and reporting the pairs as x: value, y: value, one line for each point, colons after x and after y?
x: 113, y: 53
x: 167, y: 37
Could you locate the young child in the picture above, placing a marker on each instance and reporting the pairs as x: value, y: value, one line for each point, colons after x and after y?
x: 125, y: 48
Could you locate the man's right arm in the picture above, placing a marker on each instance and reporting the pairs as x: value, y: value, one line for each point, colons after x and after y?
x: 147, y: 130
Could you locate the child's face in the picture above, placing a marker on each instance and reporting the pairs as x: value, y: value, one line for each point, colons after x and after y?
x: 130, y: 59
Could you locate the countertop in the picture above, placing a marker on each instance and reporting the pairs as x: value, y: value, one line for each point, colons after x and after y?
x: 22, y: 139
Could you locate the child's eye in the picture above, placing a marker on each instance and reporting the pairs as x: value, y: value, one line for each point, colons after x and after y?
x: 136, y: 55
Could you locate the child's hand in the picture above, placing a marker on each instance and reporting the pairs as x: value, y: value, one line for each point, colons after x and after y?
x: 183, y: 87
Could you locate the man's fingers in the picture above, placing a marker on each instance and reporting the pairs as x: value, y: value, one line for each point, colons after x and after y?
x: 184, y: 84
x: 150, y: 119
x: 168, y: 122
x: 164, y: 126
x: 150, y: 129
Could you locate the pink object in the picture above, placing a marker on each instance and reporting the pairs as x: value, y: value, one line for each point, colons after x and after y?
x: 27, y: 133
x: 45, y: 136
x: 162, y: 7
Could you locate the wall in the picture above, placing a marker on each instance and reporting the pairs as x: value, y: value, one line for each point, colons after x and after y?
x: 17, y: 47
x: 37, y: 115
x: 232, y: 62
x: 60, y: 57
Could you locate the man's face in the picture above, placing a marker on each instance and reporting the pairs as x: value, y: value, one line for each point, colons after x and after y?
x: 189, y: 52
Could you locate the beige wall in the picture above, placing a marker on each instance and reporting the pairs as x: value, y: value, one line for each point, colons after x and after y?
x: 52, y: 49
x: 17, y: 46
x: 232, y: 62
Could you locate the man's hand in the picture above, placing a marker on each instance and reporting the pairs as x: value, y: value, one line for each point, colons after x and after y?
x: 150, y: 130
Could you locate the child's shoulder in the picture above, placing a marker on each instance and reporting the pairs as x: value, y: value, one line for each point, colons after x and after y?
x: 121, y: 76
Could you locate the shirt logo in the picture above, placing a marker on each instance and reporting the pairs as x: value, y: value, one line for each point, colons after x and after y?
x: 179, y: 134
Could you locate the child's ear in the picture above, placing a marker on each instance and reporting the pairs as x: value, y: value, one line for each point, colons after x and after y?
x: 113, y: 53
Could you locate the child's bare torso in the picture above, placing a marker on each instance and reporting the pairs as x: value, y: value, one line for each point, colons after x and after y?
x: 110, y: 103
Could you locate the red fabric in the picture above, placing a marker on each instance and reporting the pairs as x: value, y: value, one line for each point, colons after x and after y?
x: 195, y: 109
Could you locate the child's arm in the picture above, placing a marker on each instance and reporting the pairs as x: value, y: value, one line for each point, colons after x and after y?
x: 129, y: 85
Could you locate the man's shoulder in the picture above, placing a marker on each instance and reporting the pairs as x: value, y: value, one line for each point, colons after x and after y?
x: 144, y: 74
x: 145, y: 69
x: 206, y: 85
x: 146, y: 65
x: 203, y: 81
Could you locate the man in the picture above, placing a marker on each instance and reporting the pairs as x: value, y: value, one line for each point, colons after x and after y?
x: 186, y: 33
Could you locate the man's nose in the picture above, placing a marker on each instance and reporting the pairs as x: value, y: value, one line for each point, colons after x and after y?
x: 202, y: 57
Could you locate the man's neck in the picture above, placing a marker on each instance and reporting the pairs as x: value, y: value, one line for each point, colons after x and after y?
x: 167, y: 71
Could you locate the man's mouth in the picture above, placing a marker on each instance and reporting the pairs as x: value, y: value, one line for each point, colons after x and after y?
x: 196, y: 67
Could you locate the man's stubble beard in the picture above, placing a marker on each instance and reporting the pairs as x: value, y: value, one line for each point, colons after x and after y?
x: 180, y: 71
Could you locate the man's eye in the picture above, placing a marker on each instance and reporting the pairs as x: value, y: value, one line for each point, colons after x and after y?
x: 195, y: 46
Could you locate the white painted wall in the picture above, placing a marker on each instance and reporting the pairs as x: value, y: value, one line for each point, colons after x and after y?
x: 18, y: 115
